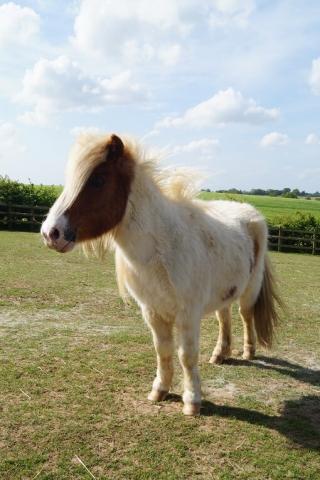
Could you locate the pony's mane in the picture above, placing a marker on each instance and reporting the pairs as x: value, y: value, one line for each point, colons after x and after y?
x: 89, y: 151
x: 177, y: 183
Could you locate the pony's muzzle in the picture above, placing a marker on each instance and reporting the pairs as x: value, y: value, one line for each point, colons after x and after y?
x: 58, y: 235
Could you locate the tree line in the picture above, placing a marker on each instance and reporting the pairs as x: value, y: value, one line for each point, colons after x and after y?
x: 271, y: 192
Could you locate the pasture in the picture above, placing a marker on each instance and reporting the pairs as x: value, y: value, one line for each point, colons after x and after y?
x: 76, y: 367
x: 273, y: 208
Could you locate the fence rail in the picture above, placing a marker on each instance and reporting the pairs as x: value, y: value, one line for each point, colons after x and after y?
x: 288, y: 240
x: 29, y: 218
x: 25, y: 218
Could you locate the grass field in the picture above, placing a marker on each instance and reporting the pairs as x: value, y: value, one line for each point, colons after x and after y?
x: 76, y: 367
x: 271, y: 207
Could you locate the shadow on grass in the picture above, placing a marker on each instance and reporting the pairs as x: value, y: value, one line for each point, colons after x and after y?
x: 293, y: 370
x: 299, y: 420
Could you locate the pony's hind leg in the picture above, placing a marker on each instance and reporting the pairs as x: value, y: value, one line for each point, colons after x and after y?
x: 249, y: 333
x: 163, y: 343
x: 222, y: 349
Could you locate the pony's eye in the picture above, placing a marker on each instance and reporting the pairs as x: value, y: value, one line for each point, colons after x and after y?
x: 97, y: 181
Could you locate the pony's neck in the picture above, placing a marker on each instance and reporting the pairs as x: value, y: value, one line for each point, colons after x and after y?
x: 147, y: 211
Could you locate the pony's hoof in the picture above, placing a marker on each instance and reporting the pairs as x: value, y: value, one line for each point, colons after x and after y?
x: 216, y: 359
x: 157, y: 395
x: 191, y: 409
x: 248, y: 354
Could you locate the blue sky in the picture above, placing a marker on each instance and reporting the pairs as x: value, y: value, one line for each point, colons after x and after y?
x: 230, y: 87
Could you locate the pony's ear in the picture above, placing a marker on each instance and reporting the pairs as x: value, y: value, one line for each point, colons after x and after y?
x: 115, y: 147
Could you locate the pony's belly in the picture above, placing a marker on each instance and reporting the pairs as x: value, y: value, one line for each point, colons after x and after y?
x: 151, y: 287
x: 227, y: 290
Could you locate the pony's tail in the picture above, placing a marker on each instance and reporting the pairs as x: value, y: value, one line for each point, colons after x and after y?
x: 265, y: 312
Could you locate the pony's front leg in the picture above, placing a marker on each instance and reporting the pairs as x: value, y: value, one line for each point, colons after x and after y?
x: 188, y: 329
x: 163, y: 343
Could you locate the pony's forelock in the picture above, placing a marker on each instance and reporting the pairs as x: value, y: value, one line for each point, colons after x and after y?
x: 88, y: 151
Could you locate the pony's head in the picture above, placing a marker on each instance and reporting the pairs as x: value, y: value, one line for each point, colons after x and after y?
x: 100, y: 172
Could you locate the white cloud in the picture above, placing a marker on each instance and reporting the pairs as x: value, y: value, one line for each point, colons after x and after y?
x: 196, y: 157
x: 131, y: 31
x: 204, y: 146
x: 235, y: 12
x: 170, y: 55
x: 232, y: 7
x: 149, y: 31
x: 274, y: 139
x: 59, y: 85
x: 76, y: 131
x: 314, y: 78
x: 312, y: 139
x: 18, y: 24
x: 226, y: 106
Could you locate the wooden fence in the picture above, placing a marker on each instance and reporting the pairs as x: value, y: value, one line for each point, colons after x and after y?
x: 23, y: 218
x: 29, y: 218
x: 288, y: 240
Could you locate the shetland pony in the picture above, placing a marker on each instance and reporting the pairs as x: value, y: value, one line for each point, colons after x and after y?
x: 178, y: 257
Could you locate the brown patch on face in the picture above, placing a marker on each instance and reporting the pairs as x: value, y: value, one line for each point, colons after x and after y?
x: 101, y: 204
x: 229, y: 294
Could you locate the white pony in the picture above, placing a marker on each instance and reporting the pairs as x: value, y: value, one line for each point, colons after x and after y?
x: 178, y: 257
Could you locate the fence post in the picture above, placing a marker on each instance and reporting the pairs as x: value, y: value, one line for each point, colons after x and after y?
x: 32, y: 222
x: 279, y: 239
x: 314, y: 242
x: 9, y: 216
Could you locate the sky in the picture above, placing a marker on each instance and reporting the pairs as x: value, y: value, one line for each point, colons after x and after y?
x: 228, y: 87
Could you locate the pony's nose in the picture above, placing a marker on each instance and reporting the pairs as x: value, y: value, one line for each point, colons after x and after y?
x: 54, y: 234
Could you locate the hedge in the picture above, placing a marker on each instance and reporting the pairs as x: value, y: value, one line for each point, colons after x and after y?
x: 27, y: 194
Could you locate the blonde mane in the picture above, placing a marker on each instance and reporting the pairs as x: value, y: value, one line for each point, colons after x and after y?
x: 175, y: 183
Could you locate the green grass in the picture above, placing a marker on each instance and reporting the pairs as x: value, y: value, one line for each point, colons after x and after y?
x: 76, y: 367
x: 271, y: 207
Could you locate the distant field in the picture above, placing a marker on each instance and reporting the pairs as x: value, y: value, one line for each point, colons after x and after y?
x: 271, y: 207
x: 76, y: 366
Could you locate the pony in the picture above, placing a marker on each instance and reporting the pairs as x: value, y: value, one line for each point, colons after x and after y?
x: 179, y: 257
